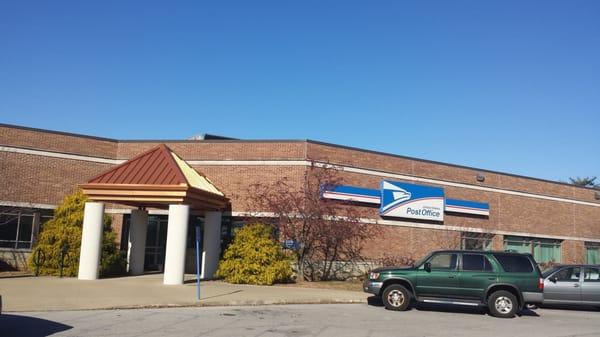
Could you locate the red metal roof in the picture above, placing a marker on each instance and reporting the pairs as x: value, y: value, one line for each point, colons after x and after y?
x: 154, y: 167
x: 155, y: 178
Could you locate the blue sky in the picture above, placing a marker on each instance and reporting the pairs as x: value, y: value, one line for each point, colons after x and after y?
x: 512, y: 86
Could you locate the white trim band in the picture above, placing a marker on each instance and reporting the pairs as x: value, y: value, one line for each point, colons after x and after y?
x: 250, y: 162
x: 26, y: 205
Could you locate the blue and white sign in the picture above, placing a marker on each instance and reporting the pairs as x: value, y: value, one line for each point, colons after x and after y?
x: 291, y: 244
x: 411, y: 201
x: 404, y: 200
x: 467, y: 207
x: 351, y: 193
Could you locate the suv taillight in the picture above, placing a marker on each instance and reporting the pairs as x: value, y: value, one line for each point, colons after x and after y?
x: 541, y: 284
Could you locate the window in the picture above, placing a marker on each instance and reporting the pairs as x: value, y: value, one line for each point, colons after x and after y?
x: 476, y: 241
x: 514, y: 263
x: 543, y: 250
x: 592, y: 275
x: 475, y: 262
x: 443, y: 261
x: 16, y: 230
x: 592, y: 252
x: 568, y: 275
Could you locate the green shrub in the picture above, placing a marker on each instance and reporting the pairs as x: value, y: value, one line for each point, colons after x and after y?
x: 64, y: 232
x: 254, y: 258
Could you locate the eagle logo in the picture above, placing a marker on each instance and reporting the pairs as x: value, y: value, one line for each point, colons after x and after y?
x: 399, y: 195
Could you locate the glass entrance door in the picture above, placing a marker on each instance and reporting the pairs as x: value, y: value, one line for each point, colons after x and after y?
x: 156, y: 242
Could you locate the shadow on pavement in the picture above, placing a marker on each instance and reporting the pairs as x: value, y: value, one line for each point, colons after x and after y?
x: 461, y: 309
x: 24, y: 326
x: 570, y: 307
x: 376, y: 301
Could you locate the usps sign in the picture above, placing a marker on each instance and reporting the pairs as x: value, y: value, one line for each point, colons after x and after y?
x: 404, y: 200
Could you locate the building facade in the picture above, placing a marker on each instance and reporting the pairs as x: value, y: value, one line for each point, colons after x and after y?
x: 554, y: 221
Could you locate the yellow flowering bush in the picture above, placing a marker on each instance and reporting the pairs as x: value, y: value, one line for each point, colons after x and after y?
x: 64, y: 232
x: 254, y: 257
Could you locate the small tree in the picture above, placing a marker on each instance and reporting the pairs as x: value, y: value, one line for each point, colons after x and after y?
x: 583, y: 181
x: 329, y: 234
x: 62, y: 236
x: 254, y: 257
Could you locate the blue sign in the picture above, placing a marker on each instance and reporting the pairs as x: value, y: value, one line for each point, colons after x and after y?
x: 351, y: 193
x: 405, y: 200
x: 291, y: 244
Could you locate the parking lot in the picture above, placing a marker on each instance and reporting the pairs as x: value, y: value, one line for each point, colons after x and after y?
x: 300, y: 320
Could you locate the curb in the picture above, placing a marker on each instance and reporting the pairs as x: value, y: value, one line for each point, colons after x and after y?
x: 210, y: 304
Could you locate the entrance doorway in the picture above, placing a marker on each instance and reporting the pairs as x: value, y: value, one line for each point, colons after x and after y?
x: 156, y: 243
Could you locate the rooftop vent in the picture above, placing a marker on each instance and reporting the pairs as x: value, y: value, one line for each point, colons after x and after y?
x: 207, y: 136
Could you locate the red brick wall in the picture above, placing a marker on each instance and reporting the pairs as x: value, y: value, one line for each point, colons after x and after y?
x: 38, y: 179
x: 410, y: 242
x: 508, y: 212
x: 235, y: 181
x: 400, y: 165
x: 57, y: 142
x: 222, y: 150
x: 573, y: 252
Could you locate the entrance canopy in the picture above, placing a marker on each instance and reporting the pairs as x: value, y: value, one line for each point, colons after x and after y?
x: 156, y: 178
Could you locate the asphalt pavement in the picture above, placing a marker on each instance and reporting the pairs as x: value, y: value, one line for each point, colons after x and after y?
x: 299, y: 320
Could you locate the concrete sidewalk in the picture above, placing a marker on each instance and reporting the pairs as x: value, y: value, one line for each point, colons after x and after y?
x: 52, y: 293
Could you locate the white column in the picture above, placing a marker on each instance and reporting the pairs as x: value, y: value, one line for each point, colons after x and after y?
x: 176, y: 244
x: 211, y: 244
x: 138, y: 226
x: 91, y: 241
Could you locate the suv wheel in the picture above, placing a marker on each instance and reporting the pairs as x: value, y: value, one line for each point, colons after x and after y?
x: 396, y: 297
x: 503, y: 304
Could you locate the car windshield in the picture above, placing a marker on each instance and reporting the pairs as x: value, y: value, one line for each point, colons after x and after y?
x: 548, y: 271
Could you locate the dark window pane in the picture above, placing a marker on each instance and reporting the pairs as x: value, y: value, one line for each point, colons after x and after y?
x: 44, y: 219
x: 473, y: 262
x: 8, y: 228
x: 25, y: 228
x: 568, y: 275
x: 514, y: 263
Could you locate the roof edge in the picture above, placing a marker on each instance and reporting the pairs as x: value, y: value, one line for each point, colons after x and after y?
x: 62, y: 133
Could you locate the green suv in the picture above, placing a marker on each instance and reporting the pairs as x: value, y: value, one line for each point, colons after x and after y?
x: 504, y: 282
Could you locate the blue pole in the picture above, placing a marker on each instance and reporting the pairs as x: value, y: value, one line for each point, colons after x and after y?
x: 198, y: 237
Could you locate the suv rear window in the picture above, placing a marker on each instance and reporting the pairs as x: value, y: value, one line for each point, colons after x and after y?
x: 514, y: 263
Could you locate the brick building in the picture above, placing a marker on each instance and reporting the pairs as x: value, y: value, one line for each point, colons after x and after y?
x: 554, y: 221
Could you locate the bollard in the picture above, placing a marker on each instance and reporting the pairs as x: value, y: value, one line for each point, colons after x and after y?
x: 39, y: 259
x: 61, y: 263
